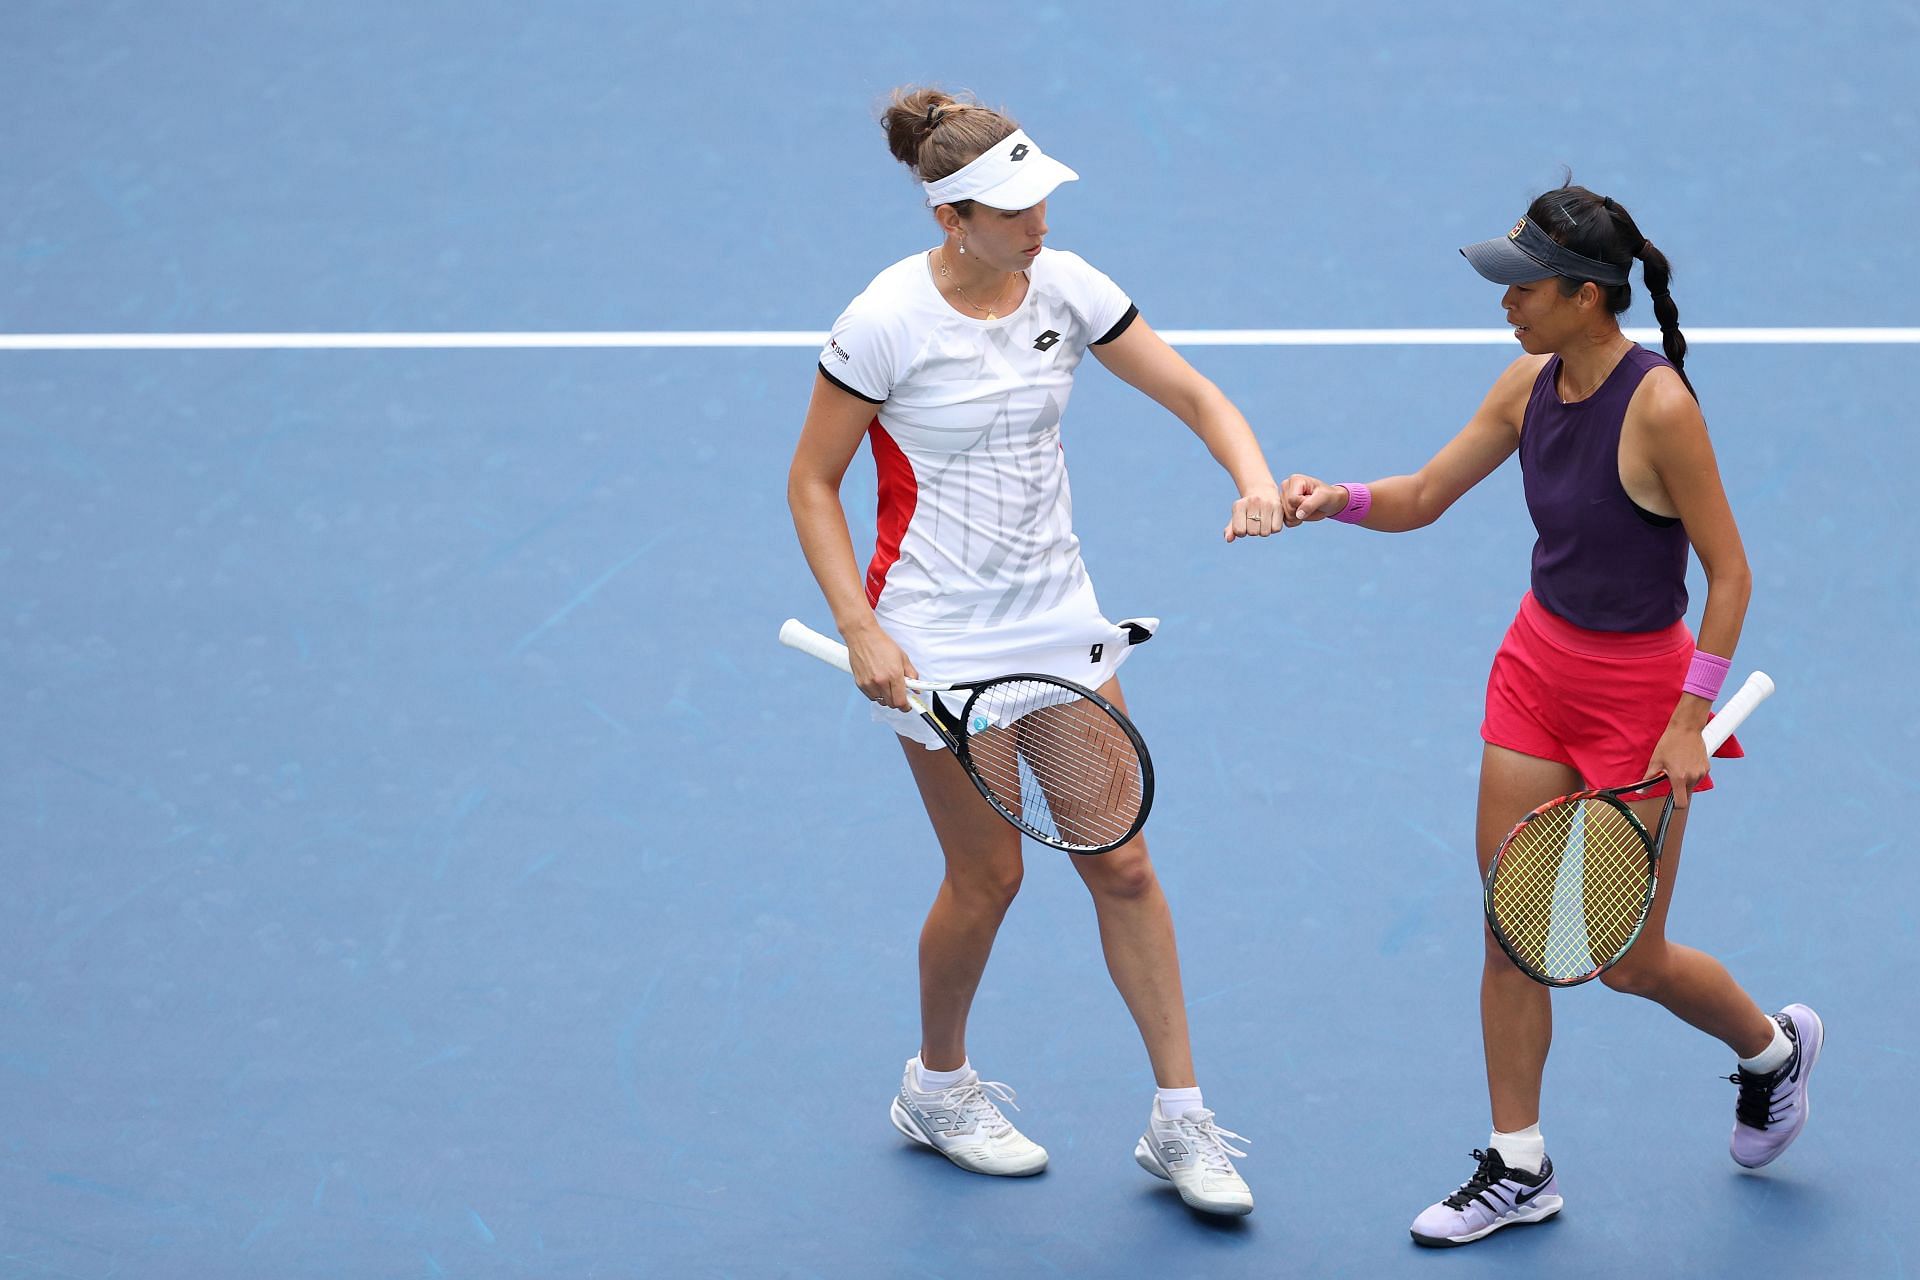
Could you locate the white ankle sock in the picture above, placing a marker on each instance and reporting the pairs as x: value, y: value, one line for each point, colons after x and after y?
x: 1771, y: 1058
x: 1523, y: 1149
x: 925, y: 1081
x: 1174, y: 1103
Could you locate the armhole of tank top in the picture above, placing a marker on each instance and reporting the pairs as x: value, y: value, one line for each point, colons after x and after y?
x: 1533, y: 393
x: 1646, y: 517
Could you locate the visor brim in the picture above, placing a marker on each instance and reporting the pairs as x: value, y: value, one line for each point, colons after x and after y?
x: 1029, y: 187
x: 1501, y: 262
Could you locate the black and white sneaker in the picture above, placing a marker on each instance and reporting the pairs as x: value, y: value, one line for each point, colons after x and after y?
x: 1772, y: 1110
x: 1494, y: 1197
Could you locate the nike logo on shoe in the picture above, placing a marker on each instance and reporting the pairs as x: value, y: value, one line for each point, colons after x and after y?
x: 1545, y: 1175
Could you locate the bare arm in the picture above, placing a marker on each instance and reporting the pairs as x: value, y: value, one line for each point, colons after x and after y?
x: 835, y: 424
x: 1664, y: 427
x: 1142, y: 359
x: 1401, y: 503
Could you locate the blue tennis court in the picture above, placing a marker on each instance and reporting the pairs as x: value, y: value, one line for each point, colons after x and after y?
x: 423, y: 861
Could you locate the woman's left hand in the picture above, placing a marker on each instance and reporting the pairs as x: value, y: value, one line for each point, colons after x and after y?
x: 1258, y: 514
x: 1681, y: 754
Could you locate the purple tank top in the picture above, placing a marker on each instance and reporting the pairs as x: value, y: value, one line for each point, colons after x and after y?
x: 1602, y: 561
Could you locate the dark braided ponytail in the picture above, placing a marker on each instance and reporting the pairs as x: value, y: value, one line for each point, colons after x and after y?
x: 1595, y: 226
x: 1653, y: 266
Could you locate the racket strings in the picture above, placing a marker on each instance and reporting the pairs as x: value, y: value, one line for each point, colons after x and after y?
x: 1572, y: 888
x: 1060, y: 763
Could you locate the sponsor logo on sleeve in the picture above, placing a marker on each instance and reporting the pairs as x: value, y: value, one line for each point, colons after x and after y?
x: 839, y: 351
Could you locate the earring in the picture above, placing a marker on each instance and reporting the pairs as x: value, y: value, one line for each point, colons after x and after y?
x: 963, y: 245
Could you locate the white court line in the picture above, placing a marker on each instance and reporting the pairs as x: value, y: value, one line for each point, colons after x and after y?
x: 810, y: 338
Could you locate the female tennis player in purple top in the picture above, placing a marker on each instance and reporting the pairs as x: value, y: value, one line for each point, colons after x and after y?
x: 1598, y: 682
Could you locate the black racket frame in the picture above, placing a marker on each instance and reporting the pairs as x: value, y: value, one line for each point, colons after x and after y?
x: 936, y: 715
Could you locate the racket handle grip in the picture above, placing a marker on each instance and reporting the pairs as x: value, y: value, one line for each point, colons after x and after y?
x: 1757, y: 689
x: 796, y: 634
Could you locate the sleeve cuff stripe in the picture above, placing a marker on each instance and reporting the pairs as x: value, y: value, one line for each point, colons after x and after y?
x: 849, y: 390
x: 1119, y: 327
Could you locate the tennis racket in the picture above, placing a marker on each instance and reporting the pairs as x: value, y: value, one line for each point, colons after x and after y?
x: 1570, y: 888
x: 1055, y: 759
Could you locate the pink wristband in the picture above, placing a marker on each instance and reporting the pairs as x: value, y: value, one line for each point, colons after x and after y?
x: 1705, y: 674
x: 1359, y: 500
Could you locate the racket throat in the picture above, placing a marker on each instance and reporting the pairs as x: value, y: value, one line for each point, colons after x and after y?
x: 1660, y: 831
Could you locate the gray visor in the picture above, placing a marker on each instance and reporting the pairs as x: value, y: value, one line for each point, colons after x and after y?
x: 1527, y: 253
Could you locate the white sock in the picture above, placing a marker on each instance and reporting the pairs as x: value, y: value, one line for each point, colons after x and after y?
x: 925, y: 1081
x: 1174, y: 1103
x: 1771, y: 1058
x: 1523, y: 1149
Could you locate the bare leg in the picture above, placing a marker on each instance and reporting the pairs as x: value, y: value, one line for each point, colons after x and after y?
x: 1691, y: 984
x: 1516, y: 1013
x: 983, y: 870
x: 1136, y: 935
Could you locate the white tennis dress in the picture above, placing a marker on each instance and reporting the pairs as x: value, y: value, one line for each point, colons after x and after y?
x: 976, y: 571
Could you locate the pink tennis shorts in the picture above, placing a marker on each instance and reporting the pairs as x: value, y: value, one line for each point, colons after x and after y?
x: 1595, y: 700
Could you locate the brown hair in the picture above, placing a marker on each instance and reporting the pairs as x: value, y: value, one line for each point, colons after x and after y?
x: 936, y: 134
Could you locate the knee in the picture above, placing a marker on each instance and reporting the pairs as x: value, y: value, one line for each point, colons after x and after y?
x: 990, y: 886
x: 1126, y: 873
x: 1495, y: 961
x: 1498, y: 968
x: 1641, y: 974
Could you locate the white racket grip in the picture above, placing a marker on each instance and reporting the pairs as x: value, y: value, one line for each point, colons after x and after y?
x: 796, y: 634
x: 1757, y: 689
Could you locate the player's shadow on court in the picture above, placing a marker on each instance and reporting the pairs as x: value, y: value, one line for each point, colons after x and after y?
x: 1164, y: 1199
x: 1782, y: 1198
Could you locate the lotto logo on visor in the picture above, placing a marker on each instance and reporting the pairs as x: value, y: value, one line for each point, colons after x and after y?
x: 1518, y: 227
x: 1012, y: 174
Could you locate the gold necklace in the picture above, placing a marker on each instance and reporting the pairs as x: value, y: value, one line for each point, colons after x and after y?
x: 992, y: 312
x: 1607, y: 373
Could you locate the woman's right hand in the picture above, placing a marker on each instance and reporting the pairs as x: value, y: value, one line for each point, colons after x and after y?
x: 880, y: 667
x: 1306, y: 498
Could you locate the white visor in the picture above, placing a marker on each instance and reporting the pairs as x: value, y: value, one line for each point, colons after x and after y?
x: 1013, y: 174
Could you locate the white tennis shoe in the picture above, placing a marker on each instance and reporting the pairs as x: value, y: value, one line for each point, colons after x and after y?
x: 964, y: 1124
x: 1191, y: 1152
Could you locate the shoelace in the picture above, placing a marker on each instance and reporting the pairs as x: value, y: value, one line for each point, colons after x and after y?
x: 1210, y: 1140
x: 975, y: 1100
x: 1754, y: 1107
x: 1492, y: 1169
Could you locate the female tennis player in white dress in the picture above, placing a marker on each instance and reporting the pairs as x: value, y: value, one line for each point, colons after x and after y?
x: 956, y: 365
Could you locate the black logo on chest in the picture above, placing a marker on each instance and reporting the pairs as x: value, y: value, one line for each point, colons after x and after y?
x: 1046, y: 341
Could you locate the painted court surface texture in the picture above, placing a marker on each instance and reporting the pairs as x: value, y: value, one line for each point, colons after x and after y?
x: 420, y: 859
